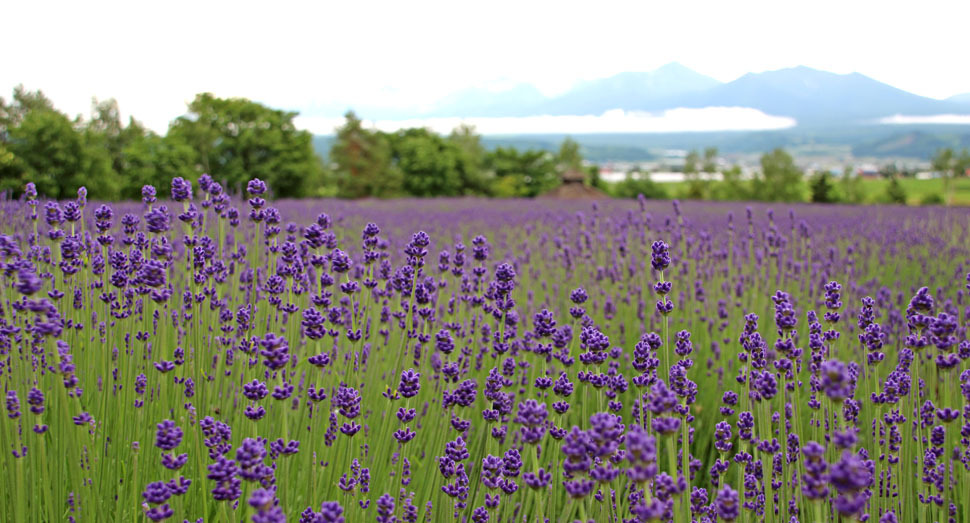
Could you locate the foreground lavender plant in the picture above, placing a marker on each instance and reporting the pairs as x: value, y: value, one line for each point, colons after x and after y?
x: 335, y: 361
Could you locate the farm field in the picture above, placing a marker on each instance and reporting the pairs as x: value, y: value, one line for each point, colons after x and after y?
x: 918, y: 192
x: 196, y: 357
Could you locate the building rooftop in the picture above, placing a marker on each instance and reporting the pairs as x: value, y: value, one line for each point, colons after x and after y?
x: 573, y: 176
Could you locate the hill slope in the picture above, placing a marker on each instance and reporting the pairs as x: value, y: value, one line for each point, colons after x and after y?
x: 811, y: 96
x: 817, y: 97
x: 913, y: 144
x: 634, y: 91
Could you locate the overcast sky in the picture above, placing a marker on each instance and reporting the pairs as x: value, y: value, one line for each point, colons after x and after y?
x: 317, y: 56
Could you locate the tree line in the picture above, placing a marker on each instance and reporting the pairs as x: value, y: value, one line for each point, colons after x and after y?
x: 235, y: 140
x: 419, y: 162
x: 780, y: 179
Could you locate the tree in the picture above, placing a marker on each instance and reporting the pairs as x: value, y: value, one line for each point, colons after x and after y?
x: 851, y: 185
x: 943, y: 164
x: 822, y: 189
x: 521, y: 173
x: 696, y: 188
x: 691, y: 161
x: 710, y: 160
x: 42, y: 145
x: 594, y: 178
x: 895, y: 192
x: 236, y: 139
x: 150, y: 159
x: 48, y: 151
x: 22, y: 103
x: 470, y: 146
x: 431, y: 165
x: 932, y: 198
x: 45, y: 148
x: 950, y: 165
x: 636, y: 183
x: 122, y: 150
x: 731, y: 187
x: 107, y: 131
x: 890, y: 170
x: 362, y: 162
x: 780, y: 178
x: 569, y: 156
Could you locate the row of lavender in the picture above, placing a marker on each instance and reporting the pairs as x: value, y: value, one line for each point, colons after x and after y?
x: 219, y: 359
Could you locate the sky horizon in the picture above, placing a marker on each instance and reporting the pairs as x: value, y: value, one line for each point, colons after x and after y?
x: 314, y: 58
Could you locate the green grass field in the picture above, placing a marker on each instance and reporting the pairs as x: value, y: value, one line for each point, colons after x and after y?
x: 918, y: 190
x: 874, y: 190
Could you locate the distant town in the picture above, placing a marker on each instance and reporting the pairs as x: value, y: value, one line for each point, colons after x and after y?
x: 669, y: 167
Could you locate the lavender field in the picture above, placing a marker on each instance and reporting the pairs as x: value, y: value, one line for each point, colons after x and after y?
x: 196, y: 357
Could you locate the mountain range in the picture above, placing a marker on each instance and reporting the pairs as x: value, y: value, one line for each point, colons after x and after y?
x: 834, y: 114
x: 810, y: 96
x: 963, y: 99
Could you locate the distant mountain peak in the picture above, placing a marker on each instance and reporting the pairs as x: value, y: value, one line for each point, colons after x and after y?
x: 674, y: 67
x: 811, y: 96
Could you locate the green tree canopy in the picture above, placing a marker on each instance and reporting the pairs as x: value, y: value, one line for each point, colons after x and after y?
x: 695, y: 188
x: 431, y: 165
x: 521, y: 173
x: 106, y: 131
x: 895, y: 192
x: 731, y: 186
x: 150, y: 159
x: 950, y: 164
x: 710, y: 160
x: 22, y: 103
x: 636, y: 183
x: 851, y: 183
x: 569, y: 156
x: 48, y: 151
x: 823, y: 191
x: 780, y: 179
x: 42, y: 145
x: 691, y: 161
x: 235, y: 140
x: 361, y: 160
x: 470, y: 145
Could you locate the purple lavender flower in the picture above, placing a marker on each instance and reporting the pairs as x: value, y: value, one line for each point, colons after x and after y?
x: 148, y: 194
x: 256, y: 187
x: 410, y: 383
x: 168, y: 436
x: 660, y: 258
x: 181, y: 189
x: 728, y: 504
x: 835, y: 381
x: 532, y: 416
x: 275, y: 351
x: 13, y: 405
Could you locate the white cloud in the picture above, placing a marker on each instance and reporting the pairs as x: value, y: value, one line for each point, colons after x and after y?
x: 615, y: 121
x: 953, y: 119
x: 302, y: 55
